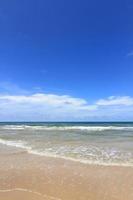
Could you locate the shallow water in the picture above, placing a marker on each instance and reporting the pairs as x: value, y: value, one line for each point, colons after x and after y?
x: 93, y: 143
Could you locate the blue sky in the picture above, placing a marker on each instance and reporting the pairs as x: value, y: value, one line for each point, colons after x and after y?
x: 69, y: 49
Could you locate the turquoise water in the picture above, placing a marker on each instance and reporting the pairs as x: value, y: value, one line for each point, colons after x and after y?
x: 92, y: 143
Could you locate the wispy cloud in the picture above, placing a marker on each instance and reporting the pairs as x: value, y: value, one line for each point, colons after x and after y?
x: 8, y: 87
x: 130, y: 53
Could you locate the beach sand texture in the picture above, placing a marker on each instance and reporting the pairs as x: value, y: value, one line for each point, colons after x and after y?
x: 31, y: 177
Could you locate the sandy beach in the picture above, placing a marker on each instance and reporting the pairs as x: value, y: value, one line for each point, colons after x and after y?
x: 31, y: 177
x: 66, y: 100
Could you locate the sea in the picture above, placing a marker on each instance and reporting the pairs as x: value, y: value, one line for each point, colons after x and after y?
x: 97, y: 143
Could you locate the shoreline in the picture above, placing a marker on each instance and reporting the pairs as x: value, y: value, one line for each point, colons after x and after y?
x: 24, y: 175
x: 86, y: 162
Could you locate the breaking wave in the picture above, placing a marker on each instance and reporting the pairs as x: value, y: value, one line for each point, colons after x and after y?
x: 65, y: 128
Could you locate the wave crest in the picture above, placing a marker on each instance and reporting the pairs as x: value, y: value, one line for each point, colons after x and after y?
x: 65, y: 128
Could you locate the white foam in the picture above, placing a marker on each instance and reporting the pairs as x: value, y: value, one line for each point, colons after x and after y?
x: 13, y: 127
x: 65, y: 128
x: 55, y: 154
x: 83, y: 161
x: 29, y: 191
x: 17, y: 144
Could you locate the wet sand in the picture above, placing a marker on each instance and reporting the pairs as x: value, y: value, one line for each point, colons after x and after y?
x: 31, y: 177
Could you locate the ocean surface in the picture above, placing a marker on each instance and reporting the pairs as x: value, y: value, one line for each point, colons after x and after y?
x: 92, y: 143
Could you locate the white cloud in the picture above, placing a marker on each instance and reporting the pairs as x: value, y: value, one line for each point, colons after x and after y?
x: 52, y: 107
x: 112, y: 101
x: 42, y: 106
x: 46, y: 99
